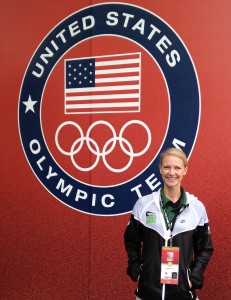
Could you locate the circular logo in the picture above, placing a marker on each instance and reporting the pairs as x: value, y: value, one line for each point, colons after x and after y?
x: 107, y: 90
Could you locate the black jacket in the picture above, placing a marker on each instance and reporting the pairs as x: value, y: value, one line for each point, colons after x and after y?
x: 144, y: 238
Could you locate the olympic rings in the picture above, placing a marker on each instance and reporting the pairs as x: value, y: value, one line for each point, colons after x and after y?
x: 105, y: 151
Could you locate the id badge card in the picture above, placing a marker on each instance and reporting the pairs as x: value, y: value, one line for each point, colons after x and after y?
x: 170, y: 265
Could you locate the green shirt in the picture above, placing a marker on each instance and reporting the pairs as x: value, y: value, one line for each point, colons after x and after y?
x: 171, y: 208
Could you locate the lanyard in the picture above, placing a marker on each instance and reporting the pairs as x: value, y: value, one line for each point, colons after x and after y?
x: 169, y: 225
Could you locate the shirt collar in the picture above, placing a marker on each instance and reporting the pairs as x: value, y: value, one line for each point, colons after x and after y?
x: 183, y: 198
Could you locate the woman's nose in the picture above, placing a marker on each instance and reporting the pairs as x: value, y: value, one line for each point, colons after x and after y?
x: 171, y: 171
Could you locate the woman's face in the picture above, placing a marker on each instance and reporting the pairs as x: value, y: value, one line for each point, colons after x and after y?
x: 172, y: 170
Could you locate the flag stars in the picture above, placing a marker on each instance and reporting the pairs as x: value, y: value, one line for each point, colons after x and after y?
x: 80, y: 74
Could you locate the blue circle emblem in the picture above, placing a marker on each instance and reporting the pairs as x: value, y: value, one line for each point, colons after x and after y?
x: 146, y: 31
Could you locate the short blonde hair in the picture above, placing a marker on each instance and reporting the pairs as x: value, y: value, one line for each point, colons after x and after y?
x: 175, y: 152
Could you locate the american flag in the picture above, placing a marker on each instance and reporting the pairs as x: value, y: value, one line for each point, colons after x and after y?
x: 103, y: 84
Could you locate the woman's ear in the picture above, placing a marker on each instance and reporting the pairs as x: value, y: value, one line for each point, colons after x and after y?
x: 185, y: 170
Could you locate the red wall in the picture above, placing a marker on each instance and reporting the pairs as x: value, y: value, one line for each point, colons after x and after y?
x: 50, y: 251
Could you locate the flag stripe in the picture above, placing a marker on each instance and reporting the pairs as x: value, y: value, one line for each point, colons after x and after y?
x: 117, y: 62
x: 119, y: 56
x: 90, y: 97
x: 103, y: 101
x: 116, y: 79
x: 118, y: 83
x: 104, y: 88
x: 99, y: 105
x: 95, y: 97
x: 102, y: 110
x: 116, y: 71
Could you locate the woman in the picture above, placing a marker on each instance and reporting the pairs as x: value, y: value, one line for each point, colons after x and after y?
x: 168, y: 238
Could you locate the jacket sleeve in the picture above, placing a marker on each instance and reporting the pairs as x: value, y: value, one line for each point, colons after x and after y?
x: 132, y: 241
x: 203, y: 250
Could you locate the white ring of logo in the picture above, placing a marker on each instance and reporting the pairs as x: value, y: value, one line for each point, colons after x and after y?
x: 81, y: 140
x: 114, y: 135
x: 131, y: 155
x: 148, y: 132
x: 57, y: 139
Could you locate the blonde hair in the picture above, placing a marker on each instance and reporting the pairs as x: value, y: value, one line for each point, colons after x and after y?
x: 175, y: 152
